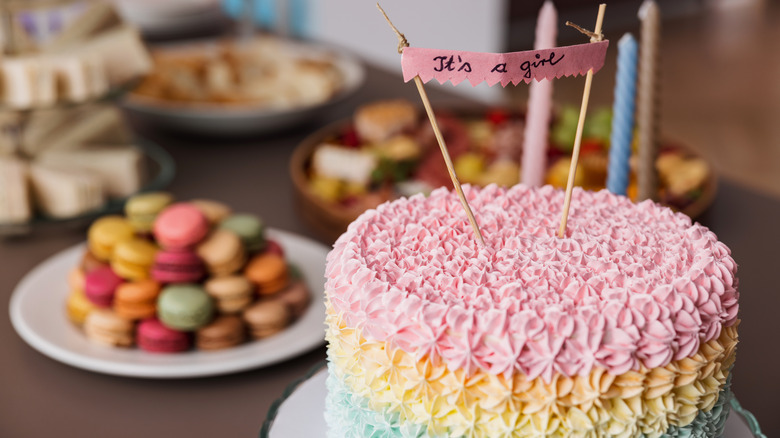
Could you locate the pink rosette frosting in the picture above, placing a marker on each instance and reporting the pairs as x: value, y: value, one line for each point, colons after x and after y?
x: 629, y: 285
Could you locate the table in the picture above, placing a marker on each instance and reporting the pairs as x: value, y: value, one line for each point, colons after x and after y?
x: 41, y: 397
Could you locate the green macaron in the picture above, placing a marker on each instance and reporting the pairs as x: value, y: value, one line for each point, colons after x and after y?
x: 184, y: 307
x: 142, y: 209
x: 249, y: 228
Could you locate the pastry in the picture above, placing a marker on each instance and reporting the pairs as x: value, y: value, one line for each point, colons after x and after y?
x: 14, y: 192
x: 249, y: 228
x: 184, y: 307
x: 119, y: 169
x: 180, y: 226
x: 297, y: 298
x: 266, y: 318
x: 77, y: 279
x: 268, y: 271
x: 100, y: 286
x: 122, y: 53
x: 627, y: 326
x: 107, y: 328
x: 379, y: 121
x: 141, y: 210
x: 132, y: 259
x: 224, y: 332
x: 263, y: 73
x: 222, y: 252
x: 78, y: 306
x: 155, y: 337
x: 105, y: 233
x: 273, y: 247
x: 215, y: 211
x: 89, y: 262
x: 341, y: 163
x: 194, y: 286
x: 177, y: 266
x: 61, y: 192
x: 137, y: 299
x: 231, y: 293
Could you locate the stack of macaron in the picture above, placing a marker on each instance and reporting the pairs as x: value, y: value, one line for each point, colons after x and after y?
x: 171, y: 276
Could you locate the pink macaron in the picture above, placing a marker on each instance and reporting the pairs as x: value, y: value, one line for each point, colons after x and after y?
x: 154, y: 337
x: 100, y: 285
x: 180, y: 226
x: 274, y: 248
x: 177, y: 266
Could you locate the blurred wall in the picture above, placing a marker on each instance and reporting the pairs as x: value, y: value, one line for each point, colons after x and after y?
x: 474, y: 25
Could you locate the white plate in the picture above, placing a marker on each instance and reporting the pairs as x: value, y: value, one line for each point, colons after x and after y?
x: 237, y: 120
x: 38, y: 315
x: 170, y: 17
x: 308, y: 395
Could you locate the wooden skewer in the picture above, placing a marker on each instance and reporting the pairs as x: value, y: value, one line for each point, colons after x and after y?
x: 402, y: 43
x: 575, y: 155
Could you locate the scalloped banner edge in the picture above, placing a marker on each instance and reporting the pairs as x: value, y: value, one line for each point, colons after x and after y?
x: 457, y: 66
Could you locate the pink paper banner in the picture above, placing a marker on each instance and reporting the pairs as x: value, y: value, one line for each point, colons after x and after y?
x: 456, y: 65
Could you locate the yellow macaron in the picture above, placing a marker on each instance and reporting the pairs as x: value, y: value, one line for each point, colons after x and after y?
x: 132, y: 259
x: 105, y: 233
x: 78, y: 306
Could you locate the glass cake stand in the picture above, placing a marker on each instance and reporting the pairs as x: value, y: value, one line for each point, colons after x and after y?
x: 307, y: 395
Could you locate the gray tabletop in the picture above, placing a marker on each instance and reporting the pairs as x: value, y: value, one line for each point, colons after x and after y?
x: 42, y: 397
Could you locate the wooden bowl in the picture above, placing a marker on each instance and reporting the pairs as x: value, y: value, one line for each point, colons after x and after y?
x: 330, y: 220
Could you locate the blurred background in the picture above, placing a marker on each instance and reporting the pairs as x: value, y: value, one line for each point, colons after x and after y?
x: 257, y: 103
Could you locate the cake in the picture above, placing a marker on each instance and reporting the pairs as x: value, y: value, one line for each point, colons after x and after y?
x: 626, y: 327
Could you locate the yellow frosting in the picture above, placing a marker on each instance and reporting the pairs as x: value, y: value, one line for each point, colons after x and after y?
x: 644, y: 401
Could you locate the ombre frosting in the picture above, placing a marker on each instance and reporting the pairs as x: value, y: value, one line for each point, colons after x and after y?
x: 630, y: 287
x: 349, y: 416
x: 415, y: 394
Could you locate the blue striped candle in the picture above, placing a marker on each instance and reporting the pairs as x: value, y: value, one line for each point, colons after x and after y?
x: 623, y: 115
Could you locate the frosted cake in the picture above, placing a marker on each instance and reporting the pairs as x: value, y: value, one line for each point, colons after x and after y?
x: 627, y: 327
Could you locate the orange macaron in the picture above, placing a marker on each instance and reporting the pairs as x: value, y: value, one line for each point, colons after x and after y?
x: 269, y: 272
x: 137, y: 300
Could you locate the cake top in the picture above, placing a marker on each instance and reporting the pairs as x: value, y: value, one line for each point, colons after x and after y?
x: 630, y: 285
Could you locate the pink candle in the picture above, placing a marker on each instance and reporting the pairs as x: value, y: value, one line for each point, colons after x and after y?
x: 537, y: 122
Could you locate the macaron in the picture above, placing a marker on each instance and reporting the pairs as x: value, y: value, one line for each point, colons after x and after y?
x: 107, y: 328
x: 100, y: 286
x: 266, y: 317
x: 90, y: 262
x: 273, y: 247
x: 179, y: 226
x: 78, y: 306
x: 105, y: 233
x: 133, y: 259
x: 177, y: 266
x: 155, y: 337
x: 222, y: 252
x: 142, y: 209
x: 184, y: 307
x: 268, y: 271
x: 137, y: 300
x: 231, y: 293
x: 77, y: 279
x: 215, y: 211
x: 249, y: 228
x: 224, y: 332
x: 297, y: 298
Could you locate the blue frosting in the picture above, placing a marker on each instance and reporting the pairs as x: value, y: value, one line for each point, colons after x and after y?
x: 348, y: 416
